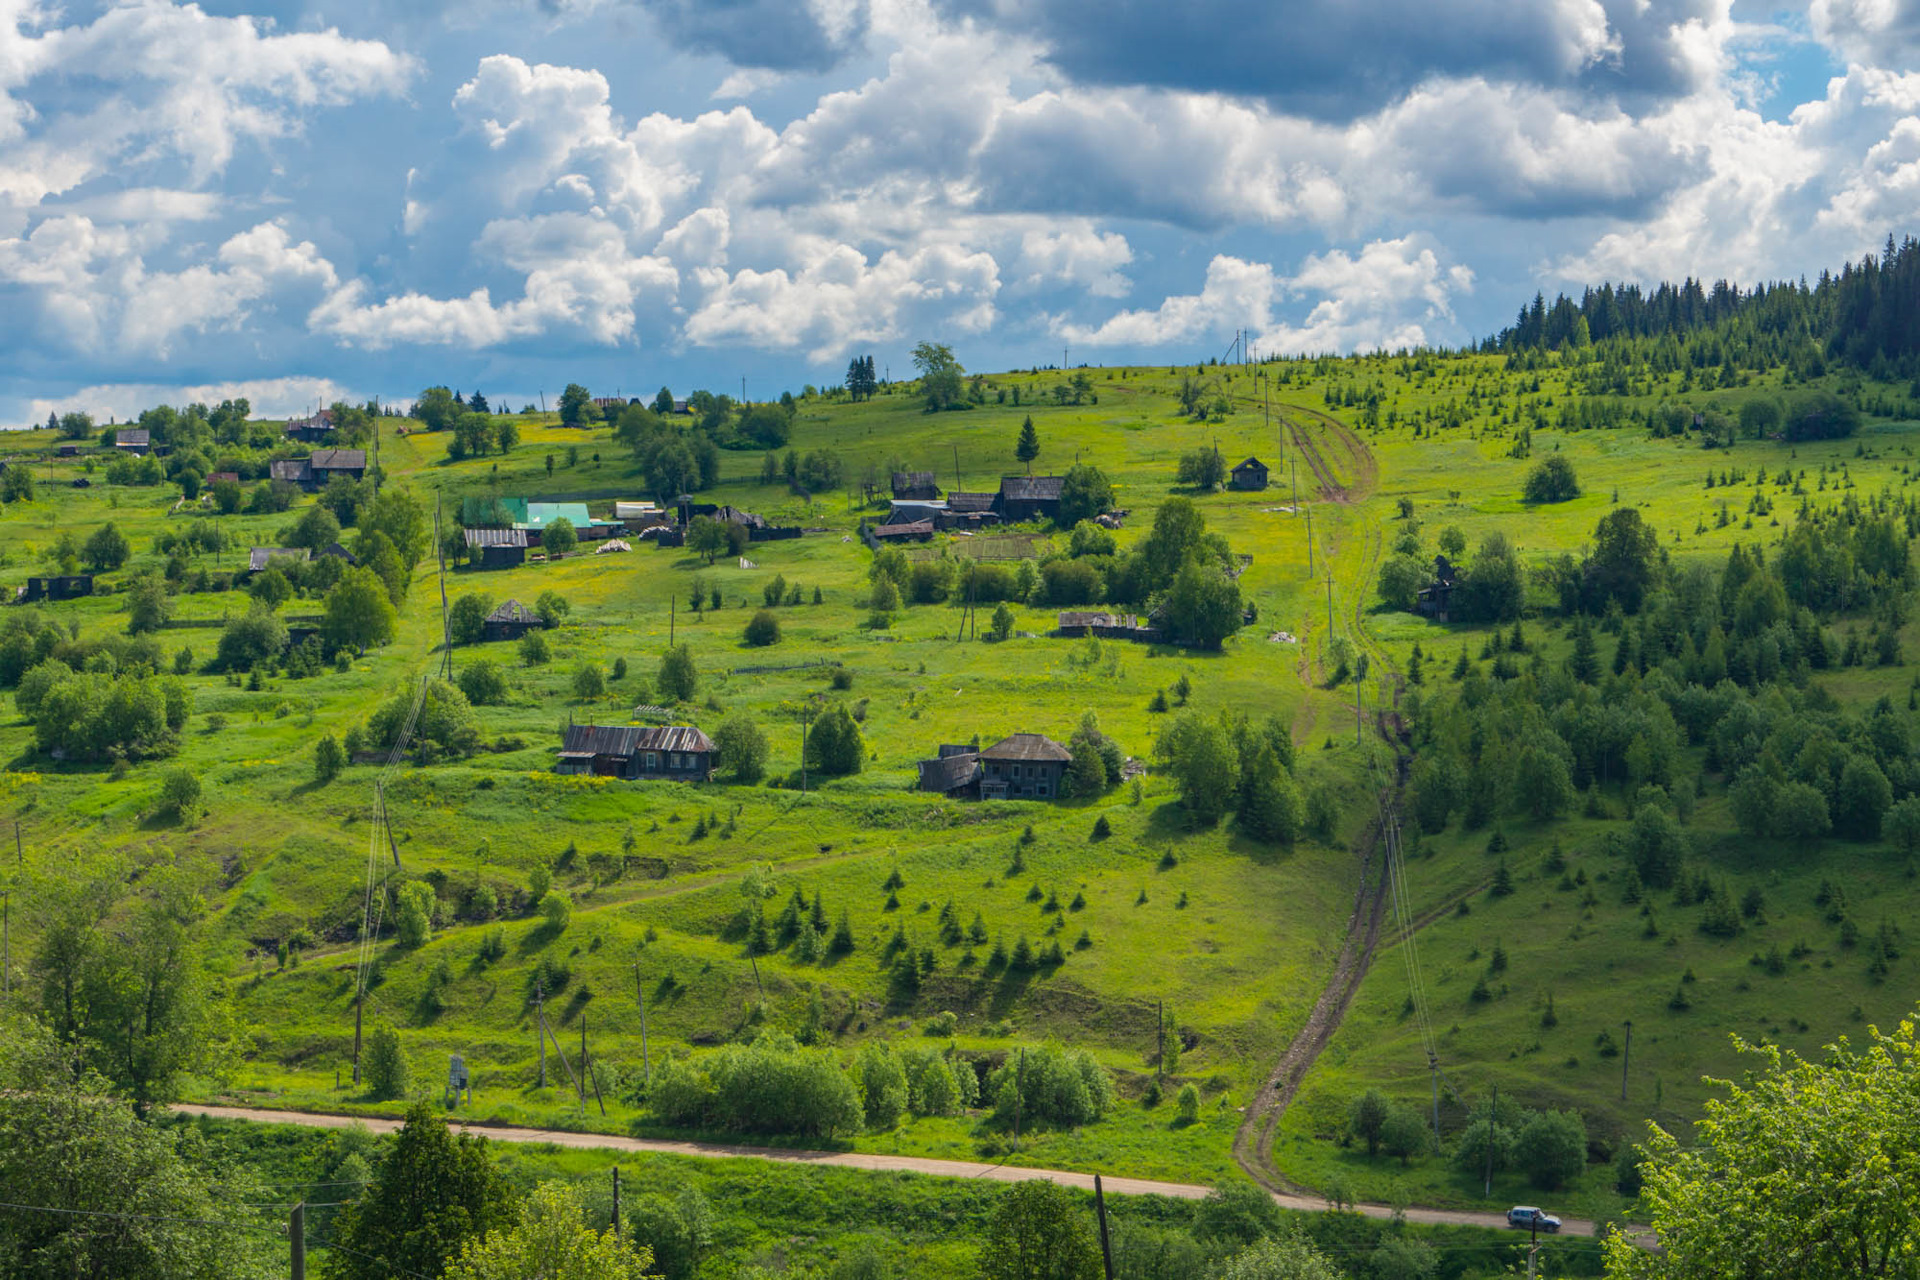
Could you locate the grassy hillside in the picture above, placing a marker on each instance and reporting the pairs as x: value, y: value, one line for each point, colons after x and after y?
x: 1236, y: 938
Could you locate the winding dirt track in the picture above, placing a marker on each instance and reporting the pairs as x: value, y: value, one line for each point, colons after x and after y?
x: 868, y: 1161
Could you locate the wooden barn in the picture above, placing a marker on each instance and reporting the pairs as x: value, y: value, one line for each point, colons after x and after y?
x: 955, y: 772
x: 511, y: 621
x: 1024, y: 498
x: 496, y: 548
x: 1021, y: 766
x: 676, y: 752
x: 1251, y: 474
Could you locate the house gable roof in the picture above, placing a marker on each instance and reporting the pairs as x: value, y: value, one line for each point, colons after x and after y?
x: 628, y: 740
x: 1251, y: 464
x: 132, y: 435
x: 514, y: 611
x: 338, y: 460
x: 958, y: 501
x: 1032, y: 488
x: 1027, y: 746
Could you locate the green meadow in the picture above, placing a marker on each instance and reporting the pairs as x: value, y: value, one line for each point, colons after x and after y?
x: 1234, y: 937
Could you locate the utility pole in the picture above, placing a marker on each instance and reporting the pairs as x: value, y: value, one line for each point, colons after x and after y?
x: 616, y: 1202
x: 673, y: 608
x: 1309, y: 541
x: 1625, y: 1060
x: 359, y: 1006
x: 803, y: 750
x: 1433, y: 1069
x: 1160, y: 1035
x: 297, y: 1241
x: 540, y: 1023
x: 1100, y: 1208
x: 1359, y: 715
x: 1329, y: 604
x: 958, y: 483
x: 1492, y: 1120
x: 6, y: 944
x: 1533, y: 1249
x: 646, y: 1059
x: 19, y: 850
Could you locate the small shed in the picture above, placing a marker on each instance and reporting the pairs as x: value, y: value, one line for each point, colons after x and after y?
x: 1108, y: 626
x: 497, y: 548
x: 313, y: 430
x: 133, y: 440
x: 1023, y: 766
x: 912, y: 531
x: 1251, y: 474
x: 56, y: 587
x: 675, y: 752
x: 511, y: 621
x: 67, y: 451
x: 914, y: 486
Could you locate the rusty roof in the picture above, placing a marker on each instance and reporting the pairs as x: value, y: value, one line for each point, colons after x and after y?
x: 1026, y: 746
x: 906, y: 530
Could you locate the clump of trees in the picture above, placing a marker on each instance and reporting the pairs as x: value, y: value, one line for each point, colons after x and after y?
x: 102, y: 715
x: 444, y: 725
x: 1551, y: 480
x: 772, y: 1085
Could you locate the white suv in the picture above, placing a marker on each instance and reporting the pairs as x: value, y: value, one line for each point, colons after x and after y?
x: 1528, y: 1216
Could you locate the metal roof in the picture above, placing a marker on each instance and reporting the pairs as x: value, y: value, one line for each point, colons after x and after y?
x: 958, y: 501
x: 628, y: 740
x: 132, y: 435
x: 1026, y: 746
x: 907, y: 530
x: 338, y: 460
x: 496, y: 537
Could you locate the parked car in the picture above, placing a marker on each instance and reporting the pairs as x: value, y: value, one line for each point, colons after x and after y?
x: 1526, y: 1216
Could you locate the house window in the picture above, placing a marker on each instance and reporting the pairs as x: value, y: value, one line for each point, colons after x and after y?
x: 653, y: 762
x: 1041, y: 791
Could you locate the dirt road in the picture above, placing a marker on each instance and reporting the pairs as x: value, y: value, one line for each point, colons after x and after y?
x: 850, y: 1160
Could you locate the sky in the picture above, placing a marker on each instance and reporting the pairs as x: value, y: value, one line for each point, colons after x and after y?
x: 300, y: 202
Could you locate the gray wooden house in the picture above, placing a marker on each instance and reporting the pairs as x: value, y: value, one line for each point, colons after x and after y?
x: 675, y: 752
x: 511, y: 621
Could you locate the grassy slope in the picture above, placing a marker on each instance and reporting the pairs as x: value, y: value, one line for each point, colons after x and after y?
x: 273, y: 851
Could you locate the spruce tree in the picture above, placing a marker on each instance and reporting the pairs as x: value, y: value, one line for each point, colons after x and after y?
x: 1029, y: 447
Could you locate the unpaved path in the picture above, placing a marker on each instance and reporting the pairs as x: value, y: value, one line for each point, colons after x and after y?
x: 870, y: 1161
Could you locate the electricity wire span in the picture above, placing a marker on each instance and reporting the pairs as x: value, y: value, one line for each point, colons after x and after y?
x: 373, y: 916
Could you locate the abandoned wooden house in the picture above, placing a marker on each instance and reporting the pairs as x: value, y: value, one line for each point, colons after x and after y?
x: 1251, y: 474
x: 1021, y: 766
x: 915, y: 486
x: 316, y: 429
x: 328, y: 463
x: 1107, y: 626
x: 260, y: 559
x: 1434, y: 599
x: 511, y: 621
x: 955, y: 772
x: 1024, y: 498
x: 70, y: 586
x: 675, y: 752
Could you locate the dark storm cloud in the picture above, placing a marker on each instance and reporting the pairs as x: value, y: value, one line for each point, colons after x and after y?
x: 1337, y: 60
x: 780, y: 35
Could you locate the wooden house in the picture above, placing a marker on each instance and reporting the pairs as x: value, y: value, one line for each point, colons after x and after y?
x: 1024, y: 498
x: 1435, y: 599
x: 67, y: 451
x: 1023, y: 766
x: 915, y: 486
x: 511, y: 621
x: 1251, y: 474
x: 1108, y: 626
x: 133, y: 440
x: 497, y: 548
x: 317, y: 429
x: 676, y: 752
x: 260, y: 559
x: 328, y: 463
x: 69, y: 586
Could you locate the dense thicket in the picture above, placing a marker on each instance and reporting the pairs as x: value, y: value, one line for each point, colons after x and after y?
x: 1867, y: 317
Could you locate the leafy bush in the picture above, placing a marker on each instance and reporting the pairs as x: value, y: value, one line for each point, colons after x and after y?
x: 384, y: 1064
x: 445, y: 724
x: 255, y: 636
x: 467, y: 619
x: 1551, y: 1148
x: 763, y: 628
x: 741, y: 748
x: 1056, y: 1086
x: 1551, y: 480
x: 769, y: 1086
x: 94, y: 716
x: 483, y: 683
